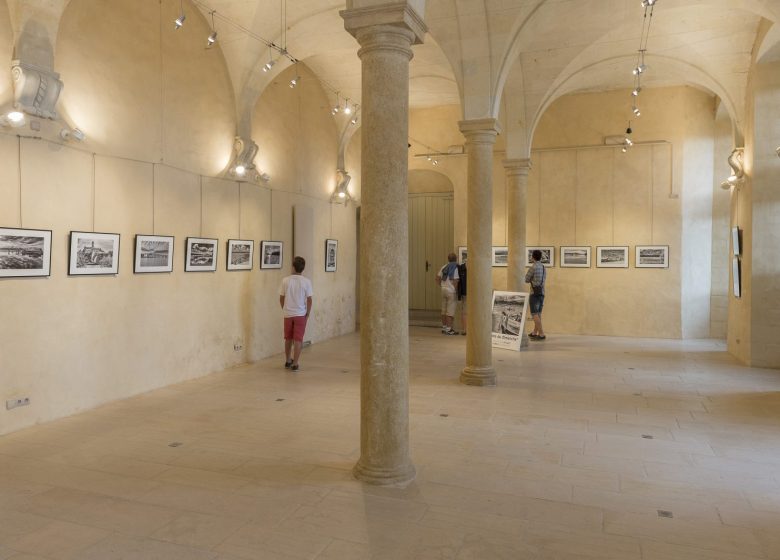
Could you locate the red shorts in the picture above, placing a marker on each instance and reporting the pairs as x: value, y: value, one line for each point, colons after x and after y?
x: 294, y: 327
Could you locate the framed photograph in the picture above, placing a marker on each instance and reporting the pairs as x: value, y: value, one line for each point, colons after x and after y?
x: 736, y: 272
x: 508, y: 324
x: 500, y: 256
x: 612, y: 257
x: 153, y: 253
x: 575, y: 257
x: 548, y: 256
x: 240, y: 254
x: 25, y: 253
x: 331, y: 253
x: 201, y: 255
x: 736, y: 246
x: 271, y: 254
x: 463, y: 254
x: 93, y: 253
x: 651, y: 256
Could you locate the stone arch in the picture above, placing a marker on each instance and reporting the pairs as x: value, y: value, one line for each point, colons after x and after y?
x: 429, y: 181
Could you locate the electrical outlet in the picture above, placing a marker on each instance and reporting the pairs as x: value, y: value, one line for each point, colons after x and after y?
x: 14, y: 403
x: 237, y: 347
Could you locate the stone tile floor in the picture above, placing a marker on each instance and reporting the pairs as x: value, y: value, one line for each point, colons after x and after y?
x: 589, y: 448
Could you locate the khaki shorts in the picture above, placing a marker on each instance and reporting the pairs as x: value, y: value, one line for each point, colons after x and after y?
x: 449, y: 302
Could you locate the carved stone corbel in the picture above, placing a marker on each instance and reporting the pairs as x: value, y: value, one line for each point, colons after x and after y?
x: 36, y: 89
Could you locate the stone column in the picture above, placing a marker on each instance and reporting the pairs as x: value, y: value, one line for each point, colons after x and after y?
x: 385, y: 34
x: 480, y: 137
x: 516, y: 190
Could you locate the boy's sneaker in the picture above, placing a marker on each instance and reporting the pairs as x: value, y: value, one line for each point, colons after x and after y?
x: 450, y: 332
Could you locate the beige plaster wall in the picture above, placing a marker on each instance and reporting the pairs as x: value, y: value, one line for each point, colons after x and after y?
x: 142, y: 91
x: 6, y: 52
x: 78, y: 342
x: 763, y: 166
x: 721, y: 231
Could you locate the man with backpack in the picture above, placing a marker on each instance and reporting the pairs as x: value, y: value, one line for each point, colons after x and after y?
x: 448, y: 278
x: 536, y: 276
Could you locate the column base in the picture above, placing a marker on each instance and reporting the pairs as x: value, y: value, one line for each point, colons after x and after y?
x: 481, y: 376
x: 400, y: 476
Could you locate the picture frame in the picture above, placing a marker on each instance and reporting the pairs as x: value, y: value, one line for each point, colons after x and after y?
x: 271, y: 254
x: 736, y: 245
x: 548, y: 256
x: 651, y: 256
x: 25, y: 253
x: 500, y: 256
x: 509, y: 310
x: 201, y: 254
x: 575, y: 256
x: 463, y: 254
x: 93, y: 253
x: 240, y: 254
x: 153, y: 254
x: 331, y: 254
x: 612, y: 256
x: 736, y: 276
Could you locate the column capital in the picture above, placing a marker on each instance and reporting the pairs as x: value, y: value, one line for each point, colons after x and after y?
x: 394, y: 14
x: 518, y: 166
x: 474, y: 127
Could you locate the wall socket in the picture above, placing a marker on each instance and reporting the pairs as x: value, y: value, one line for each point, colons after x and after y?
x: 15, y: 403
x: 237, y: 347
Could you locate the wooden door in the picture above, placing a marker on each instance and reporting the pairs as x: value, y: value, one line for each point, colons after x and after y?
x: 431, y: 238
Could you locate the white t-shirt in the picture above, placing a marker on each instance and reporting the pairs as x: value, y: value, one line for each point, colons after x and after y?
x: 295, y: 289
x: 447, y: 283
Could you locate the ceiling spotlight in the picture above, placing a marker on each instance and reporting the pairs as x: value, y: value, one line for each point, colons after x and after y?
x: 639, y: 69
x: 336, y: 109
x: 435, y: 162
x: 240, y: 170
x: 16, y: 117
x: 179, y: 21
x: 636, y: 111
x: 636, y: 91
x: 294, y: 82
x: 354, y: 120
x: 347, y: 108
x: 429, y: 158
x: 648, y: 3
x: 624, y: 149
x: 629, y: 142
x: 268, y: 65
x: 342, y: 194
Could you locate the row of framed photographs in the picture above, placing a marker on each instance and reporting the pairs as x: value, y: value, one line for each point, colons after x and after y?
x: 645, y: 256
x: 27, y: 253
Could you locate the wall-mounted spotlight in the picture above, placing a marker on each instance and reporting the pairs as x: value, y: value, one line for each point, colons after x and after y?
x: 347, y: 108
x: 341, y: 194
x: 72, y: 134
x: 13, y: 119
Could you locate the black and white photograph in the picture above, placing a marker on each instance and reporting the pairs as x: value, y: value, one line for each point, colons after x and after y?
x: 736, y: 246
x: 463, y: 254
x: 240, y: 254
x: 612, y: 257
x: 509, y: 310
x: 25, y: 252
x: 651, y: 256
x: 201, y: 255
x: 575, y: 257
x: 548, y: 256
x: 736, y: 276
x: 500, y: 256
x: 331, y: 254
x: 153, y: 254
x: 271, y: 254
x: 93, y: 253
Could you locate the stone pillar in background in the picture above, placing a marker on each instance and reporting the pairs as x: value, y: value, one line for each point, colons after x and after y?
x: 516, y: 190
x: 385, y: 34
x: 480, y: 137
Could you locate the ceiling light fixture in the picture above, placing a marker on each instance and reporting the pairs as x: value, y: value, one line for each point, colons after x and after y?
x: 347, y: 108
x: 15, y: 117
x: 213, y: 37
x: 636, y: 111
x: 354, y: 120
x: 179, y: 21
x: 240, y: 170
x: 294, y: 82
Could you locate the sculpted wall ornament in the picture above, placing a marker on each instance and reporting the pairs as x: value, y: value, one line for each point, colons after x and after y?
x: 36, y: 89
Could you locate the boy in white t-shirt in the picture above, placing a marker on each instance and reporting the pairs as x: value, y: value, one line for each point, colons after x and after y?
x: 295, y: 298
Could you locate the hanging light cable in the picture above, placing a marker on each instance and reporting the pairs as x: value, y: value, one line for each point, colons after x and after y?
x: 213, y: 37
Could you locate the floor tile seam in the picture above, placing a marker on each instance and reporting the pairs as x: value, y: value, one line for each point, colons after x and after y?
x: 642, y: 540
x: 232, y: 532
x: 109, y: 533
x: 677, y: 542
